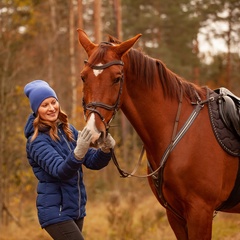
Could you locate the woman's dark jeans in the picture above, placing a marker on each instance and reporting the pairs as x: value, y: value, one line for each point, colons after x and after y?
x: 70, y: 230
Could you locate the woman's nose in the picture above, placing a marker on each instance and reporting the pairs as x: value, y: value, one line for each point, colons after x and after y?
x: 51, y: 107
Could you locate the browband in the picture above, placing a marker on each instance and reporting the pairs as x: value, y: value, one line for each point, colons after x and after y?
x: 115, y: 62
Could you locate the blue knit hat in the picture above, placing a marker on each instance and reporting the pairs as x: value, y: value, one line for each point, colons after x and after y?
x: 37, y: 91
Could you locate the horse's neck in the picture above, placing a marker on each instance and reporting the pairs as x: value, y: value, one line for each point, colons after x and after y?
x: 151, y: 115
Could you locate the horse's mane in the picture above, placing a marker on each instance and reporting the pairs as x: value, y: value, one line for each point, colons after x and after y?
x: 172, y: 84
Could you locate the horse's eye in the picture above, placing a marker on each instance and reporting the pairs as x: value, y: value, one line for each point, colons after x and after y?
x: 117, y: 80
x: 83, y: 78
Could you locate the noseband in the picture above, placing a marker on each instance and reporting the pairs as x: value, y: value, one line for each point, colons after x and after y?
x: 92, y: 106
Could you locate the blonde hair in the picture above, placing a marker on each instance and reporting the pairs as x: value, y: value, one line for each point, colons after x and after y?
x: 52, y: 127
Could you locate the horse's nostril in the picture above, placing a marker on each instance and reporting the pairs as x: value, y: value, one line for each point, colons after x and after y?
x: 102, y: 136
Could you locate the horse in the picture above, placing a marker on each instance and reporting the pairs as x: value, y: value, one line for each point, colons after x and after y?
x: 189, y: 172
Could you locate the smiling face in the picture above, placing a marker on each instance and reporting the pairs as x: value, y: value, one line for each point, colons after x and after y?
x: 49, y: 109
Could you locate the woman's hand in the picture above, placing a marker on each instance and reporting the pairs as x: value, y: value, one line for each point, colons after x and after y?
x: 83, y: 143
x: 108, y: 143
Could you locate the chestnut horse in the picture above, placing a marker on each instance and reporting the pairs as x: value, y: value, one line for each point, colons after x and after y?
x: 172, y: 119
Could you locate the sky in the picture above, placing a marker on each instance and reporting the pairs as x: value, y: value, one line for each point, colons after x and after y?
x: 209, y: 44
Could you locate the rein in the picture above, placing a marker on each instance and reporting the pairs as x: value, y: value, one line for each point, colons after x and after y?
x: 122, y: 172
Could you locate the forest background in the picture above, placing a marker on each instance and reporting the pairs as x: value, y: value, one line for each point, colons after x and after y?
x: 197, y: 39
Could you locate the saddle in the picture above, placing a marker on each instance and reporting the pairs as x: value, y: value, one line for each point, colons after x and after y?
x: 225, y: 119
x: 229, y: 109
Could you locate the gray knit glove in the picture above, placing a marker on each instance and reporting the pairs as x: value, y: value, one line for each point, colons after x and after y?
x: 83, y: 142
x: 108, y: 143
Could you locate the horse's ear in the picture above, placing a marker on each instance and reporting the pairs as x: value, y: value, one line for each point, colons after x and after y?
x: 85, y: 41
x: 125, y: 46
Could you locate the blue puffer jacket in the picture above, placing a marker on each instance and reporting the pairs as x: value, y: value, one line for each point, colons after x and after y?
x: 61, y: 191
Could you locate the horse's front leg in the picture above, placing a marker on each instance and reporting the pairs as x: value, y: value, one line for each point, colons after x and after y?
x: 178, y: 225
x: 198, y: 224
x: 199, y: 221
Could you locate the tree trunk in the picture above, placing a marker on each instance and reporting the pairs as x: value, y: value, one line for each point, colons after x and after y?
x: 124, y: 122
x: 81, y: 56
x: 4, y: 190
x: 97, y: 21
x: 196, y: 66
x: 228, y: 67
x: 73, y: 78
x: 118, y: 17
x: 51, y: 41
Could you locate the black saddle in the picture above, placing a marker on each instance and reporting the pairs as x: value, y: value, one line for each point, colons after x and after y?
x: 225, y: 120
x: 229, y: 109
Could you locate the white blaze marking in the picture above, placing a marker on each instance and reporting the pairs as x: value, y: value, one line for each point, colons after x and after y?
x: 96, y: 72
x: 91, y: 125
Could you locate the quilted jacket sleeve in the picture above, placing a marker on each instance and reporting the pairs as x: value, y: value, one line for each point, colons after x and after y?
x: 44, y: 155
x: 96, y: 159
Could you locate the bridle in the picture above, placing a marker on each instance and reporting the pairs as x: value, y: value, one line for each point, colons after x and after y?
x: 92, y: 106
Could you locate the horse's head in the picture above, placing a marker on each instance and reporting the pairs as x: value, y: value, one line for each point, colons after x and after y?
x: 102, y: 78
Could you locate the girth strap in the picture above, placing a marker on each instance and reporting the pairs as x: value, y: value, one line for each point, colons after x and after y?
x: 158, y: 177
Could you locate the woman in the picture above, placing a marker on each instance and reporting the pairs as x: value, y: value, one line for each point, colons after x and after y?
x: 56, y: 153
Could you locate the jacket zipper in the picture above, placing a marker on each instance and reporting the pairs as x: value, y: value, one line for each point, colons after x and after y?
x: 60, y: 210
x: 79, y: 196
x: 79, y: 190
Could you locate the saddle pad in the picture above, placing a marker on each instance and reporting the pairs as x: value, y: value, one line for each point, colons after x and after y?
x: 227, y: 139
